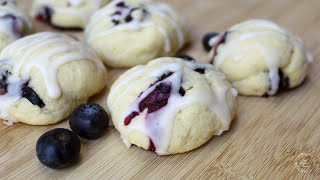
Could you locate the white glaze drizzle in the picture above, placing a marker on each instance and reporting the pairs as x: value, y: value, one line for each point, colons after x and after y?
x: 158, y: 9
x: 158, y: 125
x: 56, y: 49
x: 271, y: 55
x: 77, y: 2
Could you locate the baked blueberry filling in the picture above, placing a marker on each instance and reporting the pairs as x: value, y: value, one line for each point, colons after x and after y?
x: 186, y: 57
x: 182, y: 92
x: 284, y: 83
x: 206, y: 40
x: 152, y: 147
x: 215, y: 46
x: 45, y: 15
x: 123, y: 14
x: 129, y: 118
x: 157, y: 99
x: 3, y: 82
x: 16, y: 24
x: 200, y: 70
x: 28, y: 93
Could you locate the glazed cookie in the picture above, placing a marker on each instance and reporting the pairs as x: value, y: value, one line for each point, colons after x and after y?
x: 66, y: 14
x: 171, y: 105
x: 14, y: 23
x: 259, y: 57
x: 126, y: 33
x: 45, y: 76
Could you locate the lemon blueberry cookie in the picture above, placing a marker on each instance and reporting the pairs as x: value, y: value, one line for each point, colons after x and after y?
x: 259, y: 57
x: 66, y: 14
x: 45, y: 76
x: 171, y: 105
x: 14, y: 23
x: 126, y: 33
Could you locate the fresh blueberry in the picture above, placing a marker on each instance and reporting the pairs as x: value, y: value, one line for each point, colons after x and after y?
x: 206, y: 39
x: 89, y: 121
x: 58, y: 148
x: 185, y: 57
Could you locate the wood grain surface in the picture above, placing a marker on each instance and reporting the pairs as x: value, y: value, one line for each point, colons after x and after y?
x: 274, y: 138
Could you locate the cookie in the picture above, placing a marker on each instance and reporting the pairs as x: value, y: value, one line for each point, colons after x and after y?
x: 66, y: 14
x: 14, y: 23
x: 45, y: 76
x: 171, y: 105
x: 126, y: 33
x: 259, y: 57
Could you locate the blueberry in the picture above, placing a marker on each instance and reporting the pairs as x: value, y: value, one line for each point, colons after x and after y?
x: 28, y: 93
x: 46, y: 15
x: 185, y: 57
x: 89, y: 121
x: 58, y: 148
x: 157, y: 99
x: 206, y: 39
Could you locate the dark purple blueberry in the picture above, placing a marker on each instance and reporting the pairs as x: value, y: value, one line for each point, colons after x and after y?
x: 15, y: 24
x: 28, y: 93
x: 206, y: 39
x: 121, y: 4
x: 89, y: 121
x: 157, y: 99
x: 3, y: 89
x: 152, y: 147
x: 182, y: 92
x: 58, y: 148
x: 115, y: 22
x: 185, y: 57
x: 221, y: 41
x: 200, y: 70
x: 284, y: 83
x: 3, y: 82
x: 161, y: 78
x: 46, y: 15
x: 128, y: 18
x: 129, y: 118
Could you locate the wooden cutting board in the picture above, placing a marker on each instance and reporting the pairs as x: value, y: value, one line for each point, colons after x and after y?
x: 274, y: 138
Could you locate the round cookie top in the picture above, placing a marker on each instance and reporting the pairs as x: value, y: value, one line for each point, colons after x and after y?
x: 14, y: 23
x: 171, y: 105
x: 43, y: 54
x: 267, y: 57
x: 66, y: 14
x: 126, y: 33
